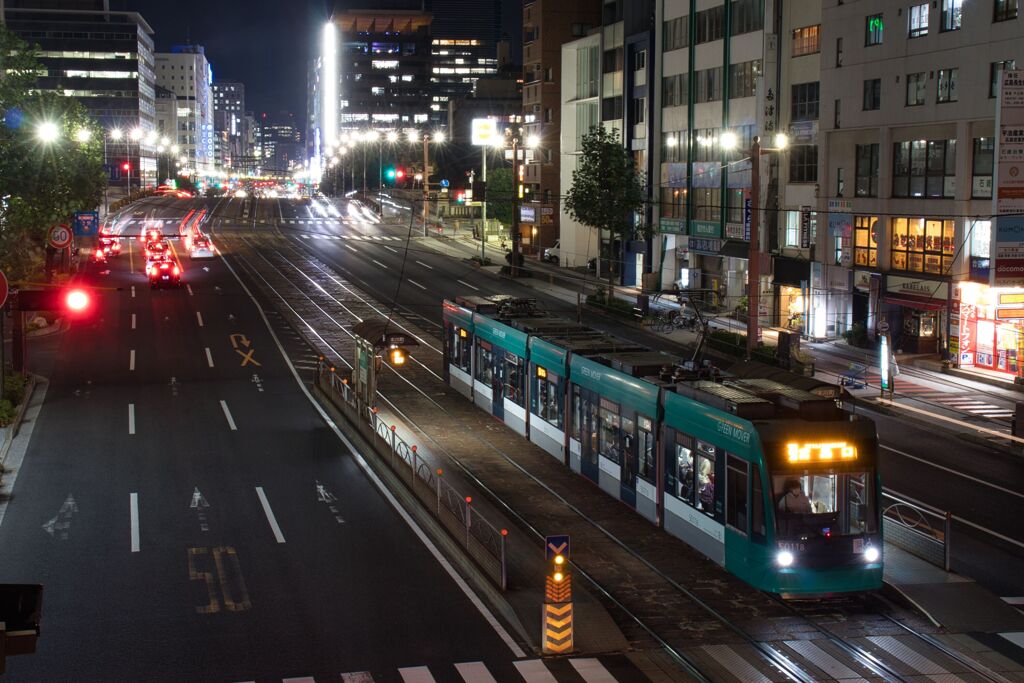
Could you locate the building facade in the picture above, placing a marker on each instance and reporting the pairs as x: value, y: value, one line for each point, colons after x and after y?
x: 186, y: 72
x: 909, y: 98
x: 547, y: 25
x: 229, y: 123
x: 104, y: 59
x: 280, y: 141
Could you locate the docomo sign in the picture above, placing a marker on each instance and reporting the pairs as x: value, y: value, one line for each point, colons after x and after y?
x: 484, y: 132
x: 59, y: 236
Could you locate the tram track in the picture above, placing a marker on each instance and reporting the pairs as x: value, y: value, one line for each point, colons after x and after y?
x: 770, y: 654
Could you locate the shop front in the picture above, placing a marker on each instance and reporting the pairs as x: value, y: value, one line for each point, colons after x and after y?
x: 791, y: 279
x: 916, y: 309
x: 991, y: 328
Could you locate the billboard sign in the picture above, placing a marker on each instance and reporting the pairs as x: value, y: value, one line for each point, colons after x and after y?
x: 484, y: 133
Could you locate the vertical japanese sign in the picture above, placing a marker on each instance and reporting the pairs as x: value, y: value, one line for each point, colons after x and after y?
x: 1008, y: 198
x: 805, y: 227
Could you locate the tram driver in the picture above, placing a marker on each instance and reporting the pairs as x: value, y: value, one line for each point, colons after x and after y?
x: 795, y: 500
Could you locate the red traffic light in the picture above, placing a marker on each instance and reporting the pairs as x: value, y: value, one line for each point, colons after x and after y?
x: 400, y: 173
x: 126, y: 166
x: 73, y: 300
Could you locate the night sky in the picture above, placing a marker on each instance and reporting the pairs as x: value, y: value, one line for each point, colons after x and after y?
x: 265, y: 44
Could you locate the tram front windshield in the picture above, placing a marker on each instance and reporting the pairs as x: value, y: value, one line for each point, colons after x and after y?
x: 823, y: 504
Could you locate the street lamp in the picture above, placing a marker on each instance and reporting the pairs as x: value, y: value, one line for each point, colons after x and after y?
x: 729, y: 142
x: 83, y: 135
x: 47, y: 132
x: 437, y: 137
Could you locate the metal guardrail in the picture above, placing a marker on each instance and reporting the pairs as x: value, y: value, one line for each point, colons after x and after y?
x: 483, y: 541
x: 917, y: 527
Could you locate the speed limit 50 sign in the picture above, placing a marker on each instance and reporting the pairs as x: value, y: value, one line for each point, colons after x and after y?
x: 60, y: 236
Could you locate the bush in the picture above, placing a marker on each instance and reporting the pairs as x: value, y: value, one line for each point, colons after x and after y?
x: 615, y: 305
x: 857, y: 335
x: 735, y: 344
x: 14, y: 387
x: 7, y: 411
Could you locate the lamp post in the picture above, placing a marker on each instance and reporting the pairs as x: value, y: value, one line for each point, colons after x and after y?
x: 754, y: 255
x: 136, y: 136
x: 436, y: 137
x: 516, y: 141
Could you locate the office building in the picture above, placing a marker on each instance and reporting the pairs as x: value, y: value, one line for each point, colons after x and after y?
x: 909, y: 99
x: 229, y: 122
x: 104, y: 59
x: 547, y: 25
x: 281, y: 143
x: 186, y: 72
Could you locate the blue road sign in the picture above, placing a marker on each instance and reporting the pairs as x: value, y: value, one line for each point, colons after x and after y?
x: 86, y: 223
x: 556, y: 545
x: 444, y: 182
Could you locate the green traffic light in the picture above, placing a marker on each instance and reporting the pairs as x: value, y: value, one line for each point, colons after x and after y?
x: 389, y: 173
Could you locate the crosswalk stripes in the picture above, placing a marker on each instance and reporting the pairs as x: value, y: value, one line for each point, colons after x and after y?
x: 362, y: 238
x: 585, y: 669
x: 954, y: 401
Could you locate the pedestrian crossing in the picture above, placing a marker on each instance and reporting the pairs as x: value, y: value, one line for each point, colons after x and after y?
x: 604, y: 669
x: 958, y: 401
x: 363, y: 238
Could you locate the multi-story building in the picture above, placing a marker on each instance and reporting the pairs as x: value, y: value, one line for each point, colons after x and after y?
x: 228, y: 118
x: 547, y: 25
x: 102, y: 58
x: 725, y: 74
x: 251, y: 151
x: 464, y: 48
x: 281, y: 143
x: 605, y: 78
x: 186, y: 72
x: 909, y: 97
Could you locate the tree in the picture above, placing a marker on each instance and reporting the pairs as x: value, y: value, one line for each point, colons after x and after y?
x: 499, y: 194
x: 41, y: 183
x: 607, y: 190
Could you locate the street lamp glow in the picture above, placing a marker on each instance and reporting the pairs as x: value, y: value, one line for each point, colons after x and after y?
x: 175, y: 149
x: 371, y: 136
x: 532, y: 141
x: 781, y: 140
x: 413, y: 135
x: 160, y: 148
x: 47, y: 131
x: 136, y: 134
x: 439, y: 136
x: 151, y: 137
x: 729, y: 140
x: 115, y: 133
x: 83, y: 135
x: 343, y: 151
x: 392, y: 136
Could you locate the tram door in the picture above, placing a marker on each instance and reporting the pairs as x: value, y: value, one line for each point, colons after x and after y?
x: 498, y: 383
x: 627, y: 481
x: 591, y: 424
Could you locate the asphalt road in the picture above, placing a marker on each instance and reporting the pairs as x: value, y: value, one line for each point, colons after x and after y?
x: 393, y: 262
x: 192, y: 518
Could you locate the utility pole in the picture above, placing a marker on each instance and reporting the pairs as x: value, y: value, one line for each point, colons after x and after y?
x: 426, y: 176
x: 483, y: 207
x: 754, y: 256
x: 514, y: 270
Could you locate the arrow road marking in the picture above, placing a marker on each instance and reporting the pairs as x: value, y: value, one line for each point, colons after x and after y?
x: 199, y: 504
x: 133, y: 500
x: 239, y: 338
x: 60, y: 525
x: 247, y: 357
x: 270, y: 514
x: 325, y: 496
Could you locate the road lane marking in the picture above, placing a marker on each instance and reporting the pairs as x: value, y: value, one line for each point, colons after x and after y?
x: 209, y: 358
x: 438, y: 556
x: 134, y: 499
x: 379, y: 264
x: 227, y: 414
x: 188, y: 288
x: 476, y: 289
x: 474, y: 672
x: 270, y: 514
x: 351, y: 248
x: 133, y: 291
x: 428, y: 267
x: 131, y: 418
x: 131, y: 361
x: 199, y: 317
x: 413, y: 282
x: 391, y: 249
x: 133, y: 321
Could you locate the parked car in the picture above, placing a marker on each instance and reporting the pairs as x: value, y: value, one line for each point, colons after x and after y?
x: 553, y: 254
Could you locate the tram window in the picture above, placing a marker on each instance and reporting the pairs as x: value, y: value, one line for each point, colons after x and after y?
x: 459, y: 349
x: 684, y: 468
x: 706, y: 478
x: 546, y: 397
x: 484, y: 363
x: 645, y: 449
x: 609, y: 445
x: 628, y: 447
x: 590, y: 445
x: 836, y: 503
x: 736, y: 494
x: 514, y: 378
x: 757, y: 531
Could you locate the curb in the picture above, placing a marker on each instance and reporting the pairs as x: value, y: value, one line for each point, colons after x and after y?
x: 962, y: 374
x: 11, y: 431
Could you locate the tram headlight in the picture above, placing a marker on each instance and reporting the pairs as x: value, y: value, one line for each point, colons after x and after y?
x: 871, y: 554
x: 784, y: 558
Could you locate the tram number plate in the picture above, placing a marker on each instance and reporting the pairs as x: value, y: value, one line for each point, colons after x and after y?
x: 791, y: 545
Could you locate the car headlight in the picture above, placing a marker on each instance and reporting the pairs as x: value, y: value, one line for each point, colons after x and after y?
x: 784, y: 558
x: 871, y: 554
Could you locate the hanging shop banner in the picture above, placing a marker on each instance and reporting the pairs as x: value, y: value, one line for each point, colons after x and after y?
x: 706, y: 228
x: 1007, y: 268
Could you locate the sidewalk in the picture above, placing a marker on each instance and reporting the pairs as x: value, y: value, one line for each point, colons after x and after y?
x: 949, y: 600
